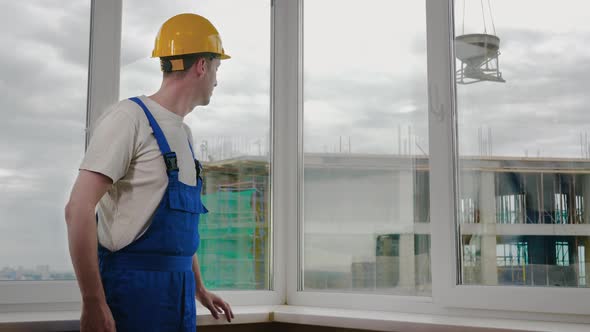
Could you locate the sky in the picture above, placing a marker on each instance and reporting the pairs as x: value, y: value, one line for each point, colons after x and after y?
x: 243, y: 90
x: 365, y: 77
x: 543, y: 106
x: 43, y: 85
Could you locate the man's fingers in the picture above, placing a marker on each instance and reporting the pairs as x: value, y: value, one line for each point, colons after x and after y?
x: 220, y: 309
x: 213, y: 311
x: 227, y: 310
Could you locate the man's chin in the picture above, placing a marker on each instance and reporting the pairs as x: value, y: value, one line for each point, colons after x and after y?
x: 204, y: 102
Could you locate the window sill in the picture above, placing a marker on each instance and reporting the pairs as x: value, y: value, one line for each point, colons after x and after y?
x: 356, y: 319
x: 395, y: 321
x: 70, y: 320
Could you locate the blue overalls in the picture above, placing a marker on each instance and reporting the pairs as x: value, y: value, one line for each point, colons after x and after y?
x: 149, y: 285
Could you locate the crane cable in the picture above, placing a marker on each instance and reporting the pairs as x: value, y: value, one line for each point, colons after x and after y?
x: 483, y: 16
x: 492, y: 17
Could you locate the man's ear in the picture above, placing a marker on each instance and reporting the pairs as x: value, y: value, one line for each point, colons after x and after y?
x: 200, y: 66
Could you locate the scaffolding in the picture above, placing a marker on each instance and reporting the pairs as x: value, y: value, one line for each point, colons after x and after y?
x: 232, y: 240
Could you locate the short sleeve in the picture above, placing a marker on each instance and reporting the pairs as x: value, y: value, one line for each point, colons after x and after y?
x: 112, y: 145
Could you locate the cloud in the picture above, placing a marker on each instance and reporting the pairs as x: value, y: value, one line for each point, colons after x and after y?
x: 43, y: 97
x: 542, y: 106
x: 365, y: 76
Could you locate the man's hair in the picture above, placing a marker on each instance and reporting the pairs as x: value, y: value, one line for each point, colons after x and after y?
x: 188, y: 60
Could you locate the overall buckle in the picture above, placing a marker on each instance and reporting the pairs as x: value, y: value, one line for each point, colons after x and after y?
x: 198, y: 168
x: 171, y: 162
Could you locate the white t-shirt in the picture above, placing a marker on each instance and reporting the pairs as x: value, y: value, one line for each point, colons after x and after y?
x: 123, y: 147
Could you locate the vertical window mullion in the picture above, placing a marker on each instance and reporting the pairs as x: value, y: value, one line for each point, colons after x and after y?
x: 441, y: 93
x: 104, y: 59
x: 287, y: 145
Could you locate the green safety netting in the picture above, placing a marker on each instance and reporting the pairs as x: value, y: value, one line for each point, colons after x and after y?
x: 227, y: 254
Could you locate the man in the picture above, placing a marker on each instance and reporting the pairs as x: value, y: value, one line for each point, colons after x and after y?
x: 143, y: 274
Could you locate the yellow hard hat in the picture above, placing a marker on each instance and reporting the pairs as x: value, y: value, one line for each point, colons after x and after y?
x: 188, y: 34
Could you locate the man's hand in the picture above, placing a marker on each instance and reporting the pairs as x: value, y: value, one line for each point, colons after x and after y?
x: 215, y: 304
x: 96, y: 317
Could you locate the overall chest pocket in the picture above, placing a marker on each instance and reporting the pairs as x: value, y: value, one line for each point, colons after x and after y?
x: 186, y: 198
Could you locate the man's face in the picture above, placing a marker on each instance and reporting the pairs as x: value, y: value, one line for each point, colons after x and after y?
x: 211, y: 79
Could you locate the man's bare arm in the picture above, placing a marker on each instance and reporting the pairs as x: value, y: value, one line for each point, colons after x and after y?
x: 81, y: 221
x: 199, y: 284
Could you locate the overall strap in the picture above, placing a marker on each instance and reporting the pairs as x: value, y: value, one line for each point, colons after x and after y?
x: 169, y: 156
x: 191, y: 147
x: 198, y: 165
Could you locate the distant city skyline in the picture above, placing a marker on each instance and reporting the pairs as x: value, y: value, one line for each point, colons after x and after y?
x: 39, y: 272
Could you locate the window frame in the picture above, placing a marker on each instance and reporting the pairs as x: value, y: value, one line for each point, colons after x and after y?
x: 444, y: 180
x: 448, y: 298
x: 103, y: 67
x: 447, y: 295
x: 103, y: 90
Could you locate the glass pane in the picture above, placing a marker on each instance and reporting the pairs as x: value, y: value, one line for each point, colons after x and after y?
x: 43, y: 90
x: 524, y: 151
x: 366, y: 178
x: 231, y: 134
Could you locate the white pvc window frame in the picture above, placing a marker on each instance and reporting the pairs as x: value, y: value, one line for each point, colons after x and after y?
x: 295, y: 293
x: 444, y: 174
x: 103, y: 90
x: 448, y: 298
